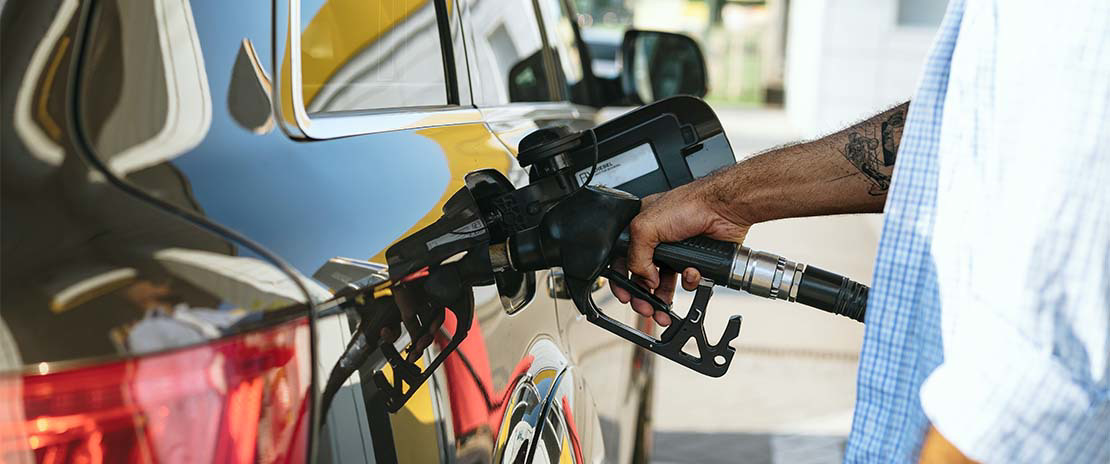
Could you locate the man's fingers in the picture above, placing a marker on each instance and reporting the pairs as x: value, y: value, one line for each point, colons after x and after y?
x: 662, y: 318
x: 644, y: 240
x: 667, y: 284
x: 665, y: 292
x: 690, y: 279
x: 644, y: 308
x: 621, y: 267
x: 640, y: 306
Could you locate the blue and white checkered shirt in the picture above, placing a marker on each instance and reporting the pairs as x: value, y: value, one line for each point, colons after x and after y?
x: 989, y: 315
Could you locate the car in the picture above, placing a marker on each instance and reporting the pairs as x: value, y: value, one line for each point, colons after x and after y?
x: 190, y: 188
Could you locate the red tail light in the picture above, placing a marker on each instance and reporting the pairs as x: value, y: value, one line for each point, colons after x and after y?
x: 240, y: 399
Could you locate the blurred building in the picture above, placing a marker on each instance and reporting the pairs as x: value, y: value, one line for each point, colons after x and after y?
x: 846, y: 59
x: 829, y: 62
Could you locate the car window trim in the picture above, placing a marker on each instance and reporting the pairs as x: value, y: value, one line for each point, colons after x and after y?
x: 470, y: 52
x: 447, y: 51
x: 556, y: 88
x: 323, y: 126
x: 514, y: 111
x: 559, y: 80
x: 461, y: 53
x: 584, y: 56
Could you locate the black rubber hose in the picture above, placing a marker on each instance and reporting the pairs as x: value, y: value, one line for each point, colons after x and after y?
x: 834, y: 293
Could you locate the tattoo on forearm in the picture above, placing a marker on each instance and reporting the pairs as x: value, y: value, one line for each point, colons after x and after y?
x: 862, y: 151
x: 892, y: 135
x: 873, y: 152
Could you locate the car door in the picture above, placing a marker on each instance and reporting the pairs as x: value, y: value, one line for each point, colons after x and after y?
x: 510, y: 41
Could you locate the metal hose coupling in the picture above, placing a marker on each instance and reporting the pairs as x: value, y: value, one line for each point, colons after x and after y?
x: 765, y: 274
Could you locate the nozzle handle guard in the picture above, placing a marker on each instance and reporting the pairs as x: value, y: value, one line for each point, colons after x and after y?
x: 711, y: 360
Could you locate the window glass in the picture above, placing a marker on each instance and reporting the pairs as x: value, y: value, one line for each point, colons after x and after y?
x: 560, y: 35
x: 509, y: 52
x: 370, y: 54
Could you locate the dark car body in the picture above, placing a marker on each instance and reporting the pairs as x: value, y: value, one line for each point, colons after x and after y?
x: 184, y: 180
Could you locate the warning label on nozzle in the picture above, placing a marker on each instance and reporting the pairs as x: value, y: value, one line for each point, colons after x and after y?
x: 622, y: 168
x: 476, y: 227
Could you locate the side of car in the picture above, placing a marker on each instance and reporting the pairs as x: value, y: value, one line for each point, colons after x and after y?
x: 184, y: 181
x: 160, y: 141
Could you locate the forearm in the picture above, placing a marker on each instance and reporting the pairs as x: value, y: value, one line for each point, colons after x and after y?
x: 846, y: 172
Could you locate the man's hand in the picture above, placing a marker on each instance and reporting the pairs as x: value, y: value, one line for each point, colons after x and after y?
x: 684, y: 212
x: 846, y: 172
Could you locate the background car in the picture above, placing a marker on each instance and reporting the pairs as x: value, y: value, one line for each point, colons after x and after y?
x: 183, y: 181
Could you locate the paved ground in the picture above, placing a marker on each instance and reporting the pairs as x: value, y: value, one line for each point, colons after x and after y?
x: 714, y: 448
x: 789, y: 394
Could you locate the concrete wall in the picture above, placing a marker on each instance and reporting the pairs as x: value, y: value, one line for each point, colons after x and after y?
x: 847, y: 59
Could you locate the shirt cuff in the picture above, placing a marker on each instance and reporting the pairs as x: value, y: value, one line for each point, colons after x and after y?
x: 1007, y: 401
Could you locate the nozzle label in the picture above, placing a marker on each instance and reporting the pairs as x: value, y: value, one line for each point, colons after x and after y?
x: 622, y: 168
x: 476, y: 227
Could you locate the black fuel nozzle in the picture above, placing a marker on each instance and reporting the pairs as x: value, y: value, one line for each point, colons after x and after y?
x: 446, y: 287
x: 435, y: 270
x: 582, y: 236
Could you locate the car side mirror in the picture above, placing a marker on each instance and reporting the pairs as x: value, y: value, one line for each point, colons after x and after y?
x: 657, y: 65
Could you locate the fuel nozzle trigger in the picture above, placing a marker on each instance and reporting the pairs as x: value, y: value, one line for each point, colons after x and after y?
x: 711, y: 360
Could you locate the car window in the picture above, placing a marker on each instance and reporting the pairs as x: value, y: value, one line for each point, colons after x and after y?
x: 509, y: 51
x: 564, y: 43
x: 370, y: 54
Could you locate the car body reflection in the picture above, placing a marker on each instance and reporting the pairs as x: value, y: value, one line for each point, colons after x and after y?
x: 131, y: 293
